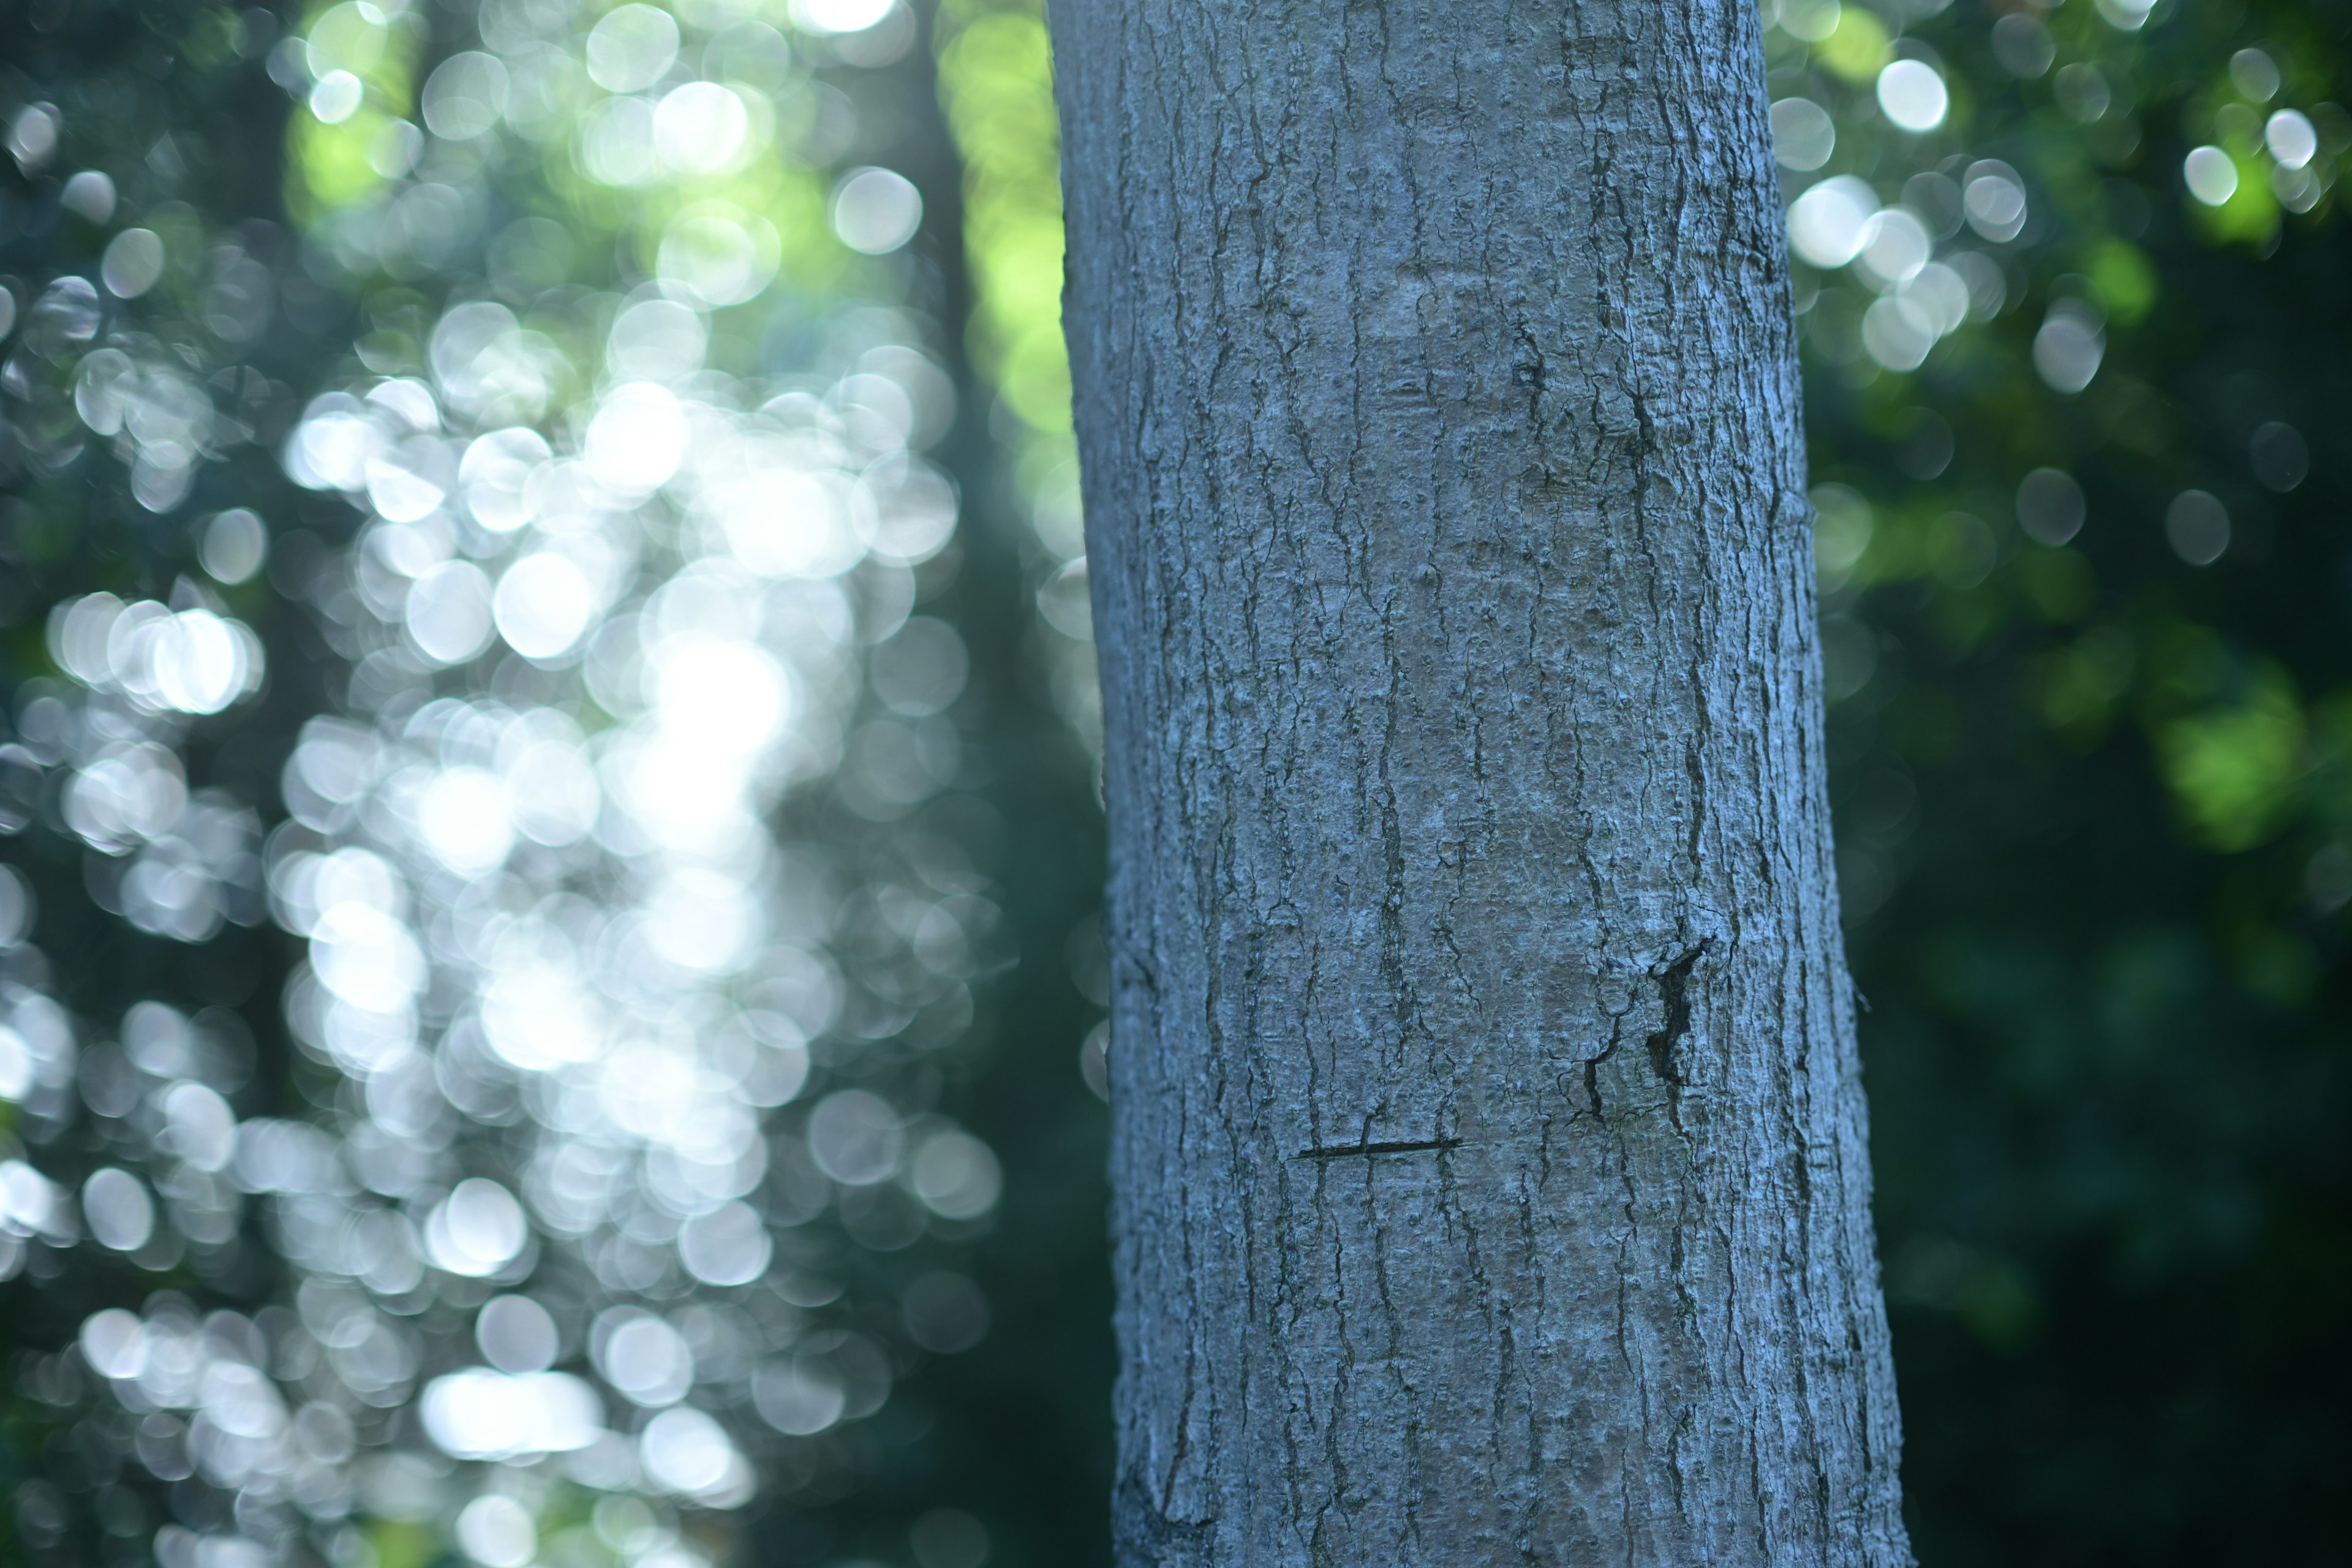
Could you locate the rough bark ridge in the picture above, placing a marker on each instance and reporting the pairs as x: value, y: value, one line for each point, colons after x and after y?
x: 1489, y: 1153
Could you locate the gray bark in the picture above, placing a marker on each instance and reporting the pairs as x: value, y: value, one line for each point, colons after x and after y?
x: 1489, y: 1156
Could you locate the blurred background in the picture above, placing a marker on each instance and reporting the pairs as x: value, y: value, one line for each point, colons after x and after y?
x: 550, y: 997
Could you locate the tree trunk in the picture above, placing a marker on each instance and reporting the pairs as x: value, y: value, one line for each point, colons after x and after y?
x: 1490, y: 1172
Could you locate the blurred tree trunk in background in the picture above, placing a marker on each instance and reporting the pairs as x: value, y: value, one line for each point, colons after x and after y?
x: 1489, y: 1166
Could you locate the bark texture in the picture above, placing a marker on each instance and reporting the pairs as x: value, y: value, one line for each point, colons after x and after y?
x: 1490, y: 1172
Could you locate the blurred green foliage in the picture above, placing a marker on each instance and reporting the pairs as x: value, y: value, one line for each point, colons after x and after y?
x: 2090, y: 792
x: 173, y: 97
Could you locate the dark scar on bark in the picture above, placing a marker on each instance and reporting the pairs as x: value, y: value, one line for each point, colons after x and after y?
x: 1409, y: 1146
x: 1673, y: 989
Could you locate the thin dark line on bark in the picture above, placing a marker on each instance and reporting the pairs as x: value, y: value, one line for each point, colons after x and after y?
x: 1401, y: 1146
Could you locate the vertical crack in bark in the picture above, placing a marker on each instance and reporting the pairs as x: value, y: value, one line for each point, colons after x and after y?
x: 1673, y: 989
x: 1593, y: 1067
